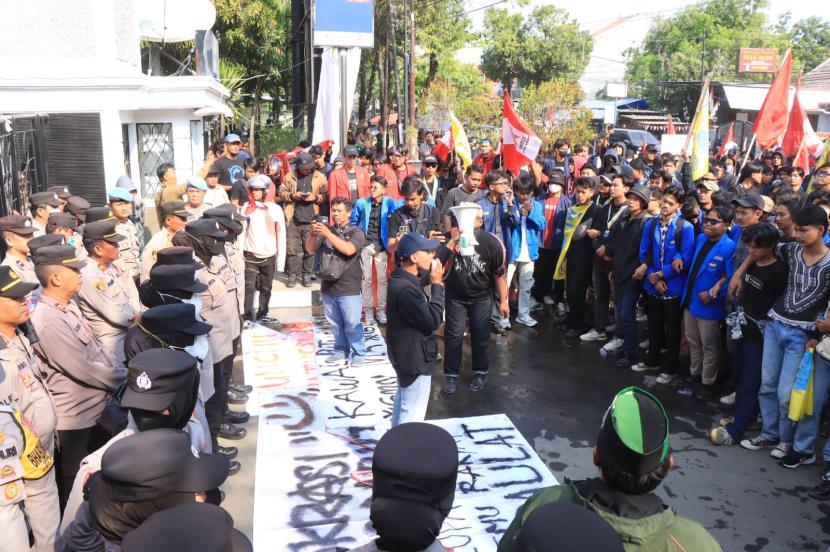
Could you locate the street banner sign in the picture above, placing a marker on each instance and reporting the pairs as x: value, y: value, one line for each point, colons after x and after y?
x: 757, y: 60
x: 344, y: 23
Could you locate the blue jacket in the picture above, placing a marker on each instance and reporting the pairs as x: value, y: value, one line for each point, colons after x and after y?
x: 650, y: 254
x: 716, y: 265
x: 363, y: 209
x: 535, y: 226
x: 509, y: 218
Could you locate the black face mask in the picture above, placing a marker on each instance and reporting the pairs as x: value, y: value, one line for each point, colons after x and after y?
x: 181, y: 409
x: 233, y: 228
x: 214, y: 245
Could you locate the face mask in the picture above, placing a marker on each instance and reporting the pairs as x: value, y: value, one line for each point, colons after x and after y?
x: 181, y: 409
x: 214, y: 245
x: 730, y: 169
x: 199, y: 349
x: 196, y: 301
x: 72, y: 240
x: 554, y: 188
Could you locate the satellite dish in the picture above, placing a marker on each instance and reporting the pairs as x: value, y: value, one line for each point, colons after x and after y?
x: 174, y: 20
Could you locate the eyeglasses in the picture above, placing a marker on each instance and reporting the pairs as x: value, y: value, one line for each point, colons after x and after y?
x: 711, y: 221
x: 822, y: 173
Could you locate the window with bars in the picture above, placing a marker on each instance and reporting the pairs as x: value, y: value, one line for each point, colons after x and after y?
x: 155, y: 146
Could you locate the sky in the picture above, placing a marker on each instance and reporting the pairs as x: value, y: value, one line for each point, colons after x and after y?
x: 607, y: 61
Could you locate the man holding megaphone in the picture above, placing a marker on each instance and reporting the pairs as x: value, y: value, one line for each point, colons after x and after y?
x: 474, y: 262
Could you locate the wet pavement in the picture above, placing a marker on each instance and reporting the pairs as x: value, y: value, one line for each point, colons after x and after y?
x: 556, y: 391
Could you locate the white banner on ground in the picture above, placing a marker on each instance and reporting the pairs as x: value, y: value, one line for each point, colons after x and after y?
x: 318, y: 425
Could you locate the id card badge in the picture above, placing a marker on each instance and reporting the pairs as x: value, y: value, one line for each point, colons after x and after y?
x: 605, y: 234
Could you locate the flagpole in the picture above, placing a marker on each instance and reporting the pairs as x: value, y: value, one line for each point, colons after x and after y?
x: 704, y: 92
x: 748, y: 151
x: 798, y: 154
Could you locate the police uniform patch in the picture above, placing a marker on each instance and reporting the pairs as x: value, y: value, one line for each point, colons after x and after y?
x: 2, y: 437
x: 11, y: 490
x: 7, y: 472
x: 143, y: 381
x: 100, y: 286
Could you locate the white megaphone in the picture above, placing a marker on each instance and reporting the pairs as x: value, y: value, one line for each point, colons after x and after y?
x: 465, y: 214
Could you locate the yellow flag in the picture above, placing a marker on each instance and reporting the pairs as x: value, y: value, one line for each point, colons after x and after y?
x: 462, y: 145
x: 700, y: 140
x: 825, y: 150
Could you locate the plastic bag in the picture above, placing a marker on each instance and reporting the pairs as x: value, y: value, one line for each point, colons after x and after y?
x: 801, y: 397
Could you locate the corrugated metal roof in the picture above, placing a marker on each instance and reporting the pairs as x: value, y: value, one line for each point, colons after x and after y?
x: 750, y: 97
x: 818, y: 77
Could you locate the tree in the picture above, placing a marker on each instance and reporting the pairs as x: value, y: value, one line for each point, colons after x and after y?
x: 466, y: 93
x: 810, y: 39
x: 549, y: 44
x: 442, y: 29
x: 554, y: 111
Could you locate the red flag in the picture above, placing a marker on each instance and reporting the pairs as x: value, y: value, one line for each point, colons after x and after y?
x: 728, y: 141
x: 771, y: 121
x: 444, y: 146
x: 670, y: 129
x: 520, y: 145
x: 800, y: 139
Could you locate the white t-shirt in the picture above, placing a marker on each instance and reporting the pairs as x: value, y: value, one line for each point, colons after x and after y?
x: 524, y: 254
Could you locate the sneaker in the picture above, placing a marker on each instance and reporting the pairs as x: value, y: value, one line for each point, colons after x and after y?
x: 728, y: 399
x: 793, y: 459
x: 623, y: 362
x: 536, y: 306
x: 266, y: 319
x: 526, y: 321
x: 381, y: 317
x: 450, y: 385
x: 641, y: 315
x: 610, y: 328
x: 593, y: 335
x: 643, y: 345
x: 247, y: 325
x: 368, y: 318
x: 665, y: 378
x: 292, y: 282
x: 358, y: 360
x: 758, y: 442
x: 561, y: 309
x: 781, y: 450
x: 720, y: 436
x: 643, y: 367
x: 614, y: 345
x: 505, y: 323
x: 336, y: 356
x: 307, y: 281
x: 479, y: 383
x: 497, y: 329
x: 548, y: 300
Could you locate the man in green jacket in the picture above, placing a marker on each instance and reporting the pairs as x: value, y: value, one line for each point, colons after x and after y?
x: 632, y: 454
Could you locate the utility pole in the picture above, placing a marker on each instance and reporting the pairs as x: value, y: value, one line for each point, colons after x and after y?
x: 395, y: 69
x: 299, y: 99
x: 412, y: 72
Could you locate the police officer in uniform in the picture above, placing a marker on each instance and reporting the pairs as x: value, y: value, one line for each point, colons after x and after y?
x: 171, y: 282
x: 42, y: 204
x: 17, y: 230
x: 77, y: 207
x: 63, y: 194
x: 20, y: 370
x: 79, y: 374
x: 121, y: 205
x: 13, y: 529
x: 94, y: 214
x: 174, y: 216
x: 66, y: 225
x: 46, y: 240
x: 108, y: 297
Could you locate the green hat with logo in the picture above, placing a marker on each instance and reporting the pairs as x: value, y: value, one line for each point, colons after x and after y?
x: 635, y: 431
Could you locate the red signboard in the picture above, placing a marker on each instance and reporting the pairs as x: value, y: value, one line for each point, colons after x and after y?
x: 757, y: 60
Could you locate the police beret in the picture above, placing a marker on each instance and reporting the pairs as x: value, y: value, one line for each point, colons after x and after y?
x: 197, y: 182
x: 119, y: 194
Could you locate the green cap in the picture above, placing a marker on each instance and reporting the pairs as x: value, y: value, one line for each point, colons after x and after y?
x: 635, y: 431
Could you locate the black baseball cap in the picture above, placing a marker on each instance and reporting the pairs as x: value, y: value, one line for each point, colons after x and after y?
x: 204, y: 227
x: 57, y: 255
x: 44, y: 198
x: 78, y: 206
x: 753, y: 201
x: 415, y: 241
x: 61, y: 191
x: 12, y: 286
x: 59, y: 219
x: 154, y: 463
x: 189, y: 526
x: 174, y: 318
x: 178, y: 208
x: 557, y: 177
x: 155, y: 376
x: 176, y: 276
x: 430, y: 159
x: 225, y: 211
x: 177, y: 255
x: 304, y: 161
x: 566, y: 527
x: 94, y: 214
x: 651, y: 147
x: 45, y: 240
x: 102, y: 230
x: 17, y: 224
x: 350, y: 151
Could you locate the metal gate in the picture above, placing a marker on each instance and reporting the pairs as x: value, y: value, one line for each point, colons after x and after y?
x: 22, y: 162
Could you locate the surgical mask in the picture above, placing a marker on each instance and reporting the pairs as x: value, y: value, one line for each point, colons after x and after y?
x: 199, y: 349
x: 196, y: 301
x: 554, y: 188
x: 72, y: 240
x: 730, y: 169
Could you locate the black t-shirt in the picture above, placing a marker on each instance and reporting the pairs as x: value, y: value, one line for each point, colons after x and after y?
x: 373, y: 226
x: 763, y: 285
x: 239, y: 191
x: 474, y: 277
x: 349, y: 282
x: 426, y: 219
x: 690, y: 281
x: 304, y: 210
x: 230, y: 170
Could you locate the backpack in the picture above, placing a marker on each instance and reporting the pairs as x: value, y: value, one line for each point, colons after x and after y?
x: 678, y: 230
x: 334, y: 264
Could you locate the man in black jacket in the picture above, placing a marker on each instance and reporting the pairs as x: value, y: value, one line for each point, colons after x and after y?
x: 412, y: 321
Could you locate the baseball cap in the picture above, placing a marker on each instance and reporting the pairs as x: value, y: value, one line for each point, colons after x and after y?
x: 95, y: 214
x: 350, y: 151
x: 651, y: 147
x: 556, y: 177
x: 641, y: 192
x: 204, y: 227
x: 102, y: 230
x: 197, y: 182
x: 304, y: 161
x: 430, y: 159
x: 708, y: 181
x: 173, y: 466
x: 259, y: 182
x: 177, y: 208
x: 176, y: 276
x: 45, y: 240
x: 119, y: 194
x: 769, y: 204
x: 566, y: 527
x: 635, y: 431
x: 177, y: 255
x: 61, y: 191
x: 155, y: 376
x: 415, y: 241
x: 77, y: 206
x: 126, y: 183
x: 12, y: 285
x: 17, y: 224
x: 59, y: 219
x: 44, y: 198
x: 57, y: 255
x: 753, y: 201
x: 231, y: 138
x: 188, y: 526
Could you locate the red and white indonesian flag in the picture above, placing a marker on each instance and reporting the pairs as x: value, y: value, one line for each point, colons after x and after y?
x: 800, y: 140
x: 519, y: 144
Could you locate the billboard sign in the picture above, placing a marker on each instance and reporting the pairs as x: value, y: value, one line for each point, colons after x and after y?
x: 757, y: 60
x: 344, y: 23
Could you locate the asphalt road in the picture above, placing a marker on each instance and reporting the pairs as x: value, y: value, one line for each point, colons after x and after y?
x: 556, y: 391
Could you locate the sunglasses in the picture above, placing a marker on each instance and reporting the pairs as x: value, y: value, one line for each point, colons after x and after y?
x: 711, y: 221
x: 433, y: 165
